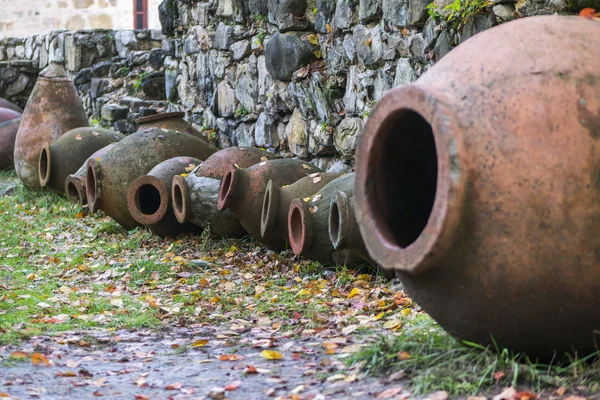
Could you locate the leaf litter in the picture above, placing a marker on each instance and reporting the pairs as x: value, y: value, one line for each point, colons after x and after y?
x: 105, y: 312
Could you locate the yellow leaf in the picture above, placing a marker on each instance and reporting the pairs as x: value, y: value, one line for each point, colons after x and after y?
x: 405, y: 312
x: 313, y: 209
x: 368, y: 42
x: 336, y: 293
x: 379, y: 316
x: 403, y: 355
x: 330, y: 347
x: 178, y: 259
x: 271, y: 355
x: 200, y: 343
x: 393, y: 324
x: 38, y: 359
x: 31, y: 276
x: 306, y: 199
x: 258, y: 290
x: 79, y: 214
x: 329, y: 28
x: 317, y: 53
x: 353, y: 293
x: 313, y: 39
x: 304, y: 292
x: 184, y: 175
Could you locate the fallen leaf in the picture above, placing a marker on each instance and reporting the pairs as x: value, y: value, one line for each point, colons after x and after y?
x: 97, y: 393
x: 561, y: 390
x: 38, y: 359
x: 19, y: 354
x: 525, y: 396
x: 391, y: 392
x: 313, y: 39
x: 329, y: 28
x: 404, y: 355
x: 31, y: 276
x: 271, y: 355
x: 335, y: 378
x: 589, y: 13
x: 250, y: 370
x: 317, y: 198
x: 41, y: 304
x: 317, y: 179
x: 174, y: 386
x: 66, y: 374
x: 200, y: 343
x: 4, y: 394
x: 498, y: 376
x: 231, y: 357
x: 368, y: 41
x: 354, y: 292
x: 393, y: 324
x: 233, y: 385
x: 78, y: 137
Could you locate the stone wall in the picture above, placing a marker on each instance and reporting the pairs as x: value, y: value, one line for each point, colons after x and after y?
x: 118, y: 74
x: 23, y: 18
x: 301, y: 76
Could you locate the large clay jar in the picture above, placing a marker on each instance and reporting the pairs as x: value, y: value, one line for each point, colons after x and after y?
x: 277, y: 200
x: 149, y: 198
x: 6, y: 114
x: 53, y: 108
x: 195, y: 196
x: 480, y: 184
x: 7, y: 104
x: 108, y: 179
x: 308, y: 225
x: 75, y: 183
x: 63, y: 157
x: 172, y: 120
x: 242, y: 191
x: 8, y: 134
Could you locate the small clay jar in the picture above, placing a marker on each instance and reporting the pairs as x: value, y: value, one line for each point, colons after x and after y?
x: 109, y: 178
x: 8, y: 134
x: 242, y: 191
x: 75, y: 183
x: 195, y: 196
x: 308, y: 225
x: 63, y: 157
x: 149, y: 198
x: 277, y: 200
x: 53, y: 108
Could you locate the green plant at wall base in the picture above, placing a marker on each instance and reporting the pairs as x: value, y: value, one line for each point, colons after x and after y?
x: 123, y: 72
x: 138, y: 82
x: 459, y: 11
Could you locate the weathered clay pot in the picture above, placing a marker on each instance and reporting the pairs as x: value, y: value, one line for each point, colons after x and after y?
x: 277, y: 200
x: 149, y: 198
x: 10, y: 105
x: 6, y: 114
x: 308, y: 225
x: 172, y: 121
x: 242, y: 191
x: 195, y: 196
x: 8, y: 134
x: 344, y: 232
x: 53, y: 108
x: 108, y: 179
x: 75, y: 183
x: 480, y: 184
x: 63, y: 157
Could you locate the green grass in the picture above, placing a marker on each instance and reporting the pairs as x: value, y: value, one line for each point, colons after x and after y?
x: 433, y: 360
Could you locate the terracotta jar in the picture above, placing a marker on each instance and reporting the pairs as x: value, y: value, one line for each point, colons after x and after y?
x: 8, y: 134
x: 63, y: 157
x: 343, y: 230
x: 195, y: 196
x: 242, y: 191
x: 149, y: 198
x: 53, y: 108
x: 12, y: 106
x: 109, y: 178
x: 6, y: 114
x: 75, y: 183
x: 479, y: 184
x: 277, y: 200
x: 308, y: 225
x: 173, y: 121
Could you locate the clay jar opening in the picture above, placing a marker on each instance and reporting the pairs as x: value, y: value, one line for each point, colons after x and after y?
x: 409, y: 183
x: 180, y: 198
x: 269, y: 208
x: 148, y: 200
x: 298, y: 228
x: 75, y: 190
x: 91, y: 187
x: 44, y: 165
x: 227, y: 188
x: 338, y: 231
x: 406, y: 178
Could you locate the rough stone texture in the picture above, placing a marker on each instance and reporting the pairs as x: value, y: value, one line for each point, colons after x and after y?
x: 114, y: 112
x: 286, y: 53
x: 346, y: 136
x: 296, y: 133
x: 223, y: 36
x: 265, y: 131
x: 405, y: 12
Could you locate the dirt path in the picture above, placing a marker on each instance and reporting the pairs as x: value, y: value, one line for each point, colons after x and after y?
x: 181, y: 364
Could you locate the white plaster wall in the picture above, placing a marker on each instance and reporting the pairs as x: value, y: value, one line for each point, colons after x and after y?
x: 30, y: 17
